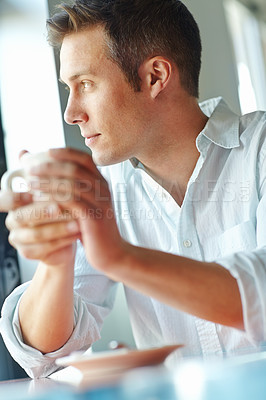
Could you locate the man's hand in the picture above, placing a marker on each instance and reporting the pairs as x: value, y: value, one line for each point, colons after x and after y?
x: 41, y: 231
x: 76, y: 185
x: 38, y: 229
x: 74, y: 202
x: 10, y: 201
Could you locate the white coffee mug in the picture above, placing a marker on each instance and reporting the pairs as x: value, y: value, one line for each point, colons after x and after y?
x: 27, y: 161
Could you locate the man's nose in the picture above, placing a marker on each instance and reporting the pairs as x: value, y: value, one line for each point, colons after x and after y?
x: 74, y: 113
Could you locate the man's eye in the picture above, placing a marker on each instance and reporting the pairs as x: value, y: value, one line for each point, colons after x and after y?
x: 86, y: 84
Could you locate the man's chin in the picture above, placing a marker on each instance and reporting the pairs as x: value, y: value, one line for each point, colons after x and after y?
x: 101, y: 161
x: 104, y: 161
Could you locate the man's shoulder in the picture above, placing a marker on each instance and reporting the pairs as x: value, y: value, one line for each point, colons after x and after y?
x: 253, y: 135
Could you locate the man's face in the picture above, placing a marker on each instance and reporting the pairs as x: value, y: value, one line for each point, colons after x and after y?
x: 113, y: 119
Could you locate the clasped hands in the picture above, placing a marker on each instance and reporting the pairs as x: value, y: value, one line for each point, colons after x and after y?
x: 74, y: 203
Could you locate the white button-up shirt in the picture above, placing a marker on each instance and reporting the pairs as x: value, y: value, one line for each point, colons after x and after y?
x: 222, y: 219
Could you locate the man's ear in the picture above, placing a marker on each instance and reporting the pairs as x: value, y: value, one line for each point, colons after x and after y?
x: 155, y: 74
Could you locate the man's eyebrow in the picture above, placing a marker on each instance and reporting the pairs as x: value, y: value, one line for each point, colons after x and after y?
x: 76, y: 76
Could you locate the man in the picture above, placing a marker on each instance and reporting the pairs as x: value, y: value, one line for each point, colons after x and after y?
x: 178, y: 217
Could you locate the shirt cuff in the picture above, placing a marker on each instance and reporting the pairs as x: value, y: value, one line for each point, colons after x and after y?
x: 249, y: 269
x: 36, y: 364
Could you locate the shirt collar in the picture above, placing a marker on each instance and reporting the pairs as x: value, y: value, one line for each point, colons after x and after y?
x: 222, y: 127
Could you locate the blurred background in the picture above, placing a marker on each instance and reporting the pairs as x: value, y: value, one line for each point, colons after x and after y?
x: 32, y: 104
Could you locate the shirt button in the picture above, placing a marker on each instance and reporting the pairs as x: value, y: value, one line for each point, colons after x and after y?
x: 187, y: 243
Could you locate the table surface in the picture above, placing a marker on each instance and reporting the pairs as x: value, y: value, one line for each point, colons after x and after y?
x: 240, y: 378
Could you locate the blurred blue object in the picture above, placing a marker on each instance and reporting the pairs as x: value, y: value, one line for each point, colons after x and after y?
x: 240, y: 378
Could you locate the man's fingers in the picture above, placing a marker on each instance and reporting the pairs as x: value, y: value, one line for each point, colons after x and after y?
x: 64, y: 169
x: 75, y: 156
x: 43, y: 233
x: 65, y: 190
x: 35, y: 214
x: 44, y: 250
x: 10, y: 200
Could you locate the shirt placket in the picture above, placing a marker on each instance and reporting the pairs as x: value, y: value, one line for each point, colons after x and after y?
x: 208, y: 337
x: 207, y: 332
x: 187, y: 234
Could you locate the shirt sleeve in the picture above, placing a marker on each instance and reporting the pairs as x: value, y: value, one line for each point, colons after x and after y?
x: 94, y: 296
x: 249, y: 268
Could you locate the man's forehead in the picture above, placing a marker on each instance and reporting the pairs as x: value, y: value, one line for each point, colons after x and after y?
x: 91, y: 38
x: 82, y: 52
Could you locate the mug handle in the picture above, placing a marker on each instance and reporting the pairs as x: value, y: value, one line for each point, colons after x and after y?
x: 8, y: 176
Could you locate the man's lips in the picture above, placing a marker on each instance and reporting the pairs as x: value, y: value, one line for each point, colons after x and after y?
x: 91, y: 139
x: 88, y: 136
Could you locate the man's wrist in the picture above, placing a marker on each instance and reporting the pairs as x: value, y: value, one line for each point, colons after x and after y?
x: 119, y: 269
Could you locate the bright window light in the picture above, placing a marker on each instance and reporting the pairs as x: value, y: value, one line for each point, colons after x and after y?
x: 247, y: 42
x: 31, y: 111
x: 246, y: 90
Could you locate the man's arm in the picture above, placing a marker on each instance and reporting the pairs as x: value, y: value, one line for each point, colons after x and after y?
x: 46, y: 308
x: 205, y: 290
x: 46, y: 311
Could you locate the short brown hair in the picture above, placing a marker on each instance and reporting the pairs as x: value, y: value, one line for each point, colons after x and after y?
x: 136, y: 30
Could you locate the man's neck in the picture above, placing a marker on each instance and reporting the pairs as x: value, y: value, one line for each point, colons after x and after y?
x: 174, y: 165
